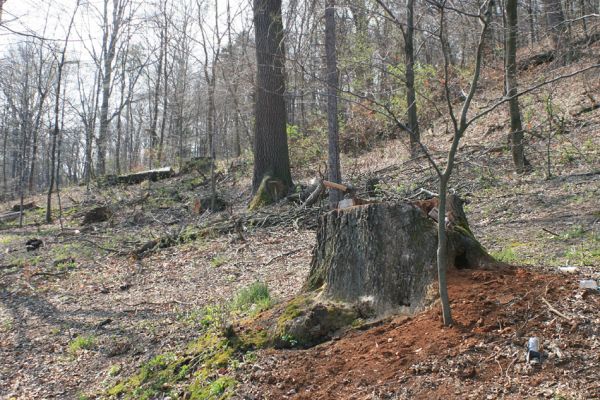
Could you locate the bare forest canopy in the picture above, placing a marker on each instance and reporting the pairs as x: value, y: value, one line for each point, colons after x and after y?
x: 146, y: 85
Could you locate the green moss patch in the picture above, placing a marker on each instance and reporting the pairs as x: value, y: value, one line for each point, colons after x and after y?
x: 199, y: 372
x: 270, y: 191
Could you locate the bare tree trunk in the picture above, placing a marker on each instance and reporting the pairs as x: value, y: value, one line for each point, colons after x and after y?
x: 271, y: 156
x: 532, y: 24
x: 164, y: 44
x: 109, y: 51
x: 58, y: 160
x: 335, y: 174
x: 556, y: 21
x: 411, y: 98
x: 56, y: 131
x: 516, y: 127
x: 34, y: 147
x: 154, y: 122
x: 4, y: 130
x: 442, y: 248
x: 42, y: 89
x: 90, y: 126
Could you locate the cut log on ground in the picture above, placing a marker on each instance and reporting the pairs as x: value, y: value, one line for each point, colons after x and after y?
x: 10, y: 216
x: 385, y: 253
x: 26, y: 206
x: 138, y: 177
x: 196, y: 164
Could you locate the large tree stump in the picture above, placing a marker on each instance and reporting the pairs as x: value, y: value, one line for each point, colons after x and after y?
x: 385, y: 253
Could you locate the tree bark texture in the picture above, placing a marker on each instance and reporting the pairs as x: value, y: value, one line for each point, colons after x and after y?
x: 386, y: 253
x: 335, y: 174
x: 271, y: 155
x: 516, y: 126
x: 556, y: 21
x: 411, y: 98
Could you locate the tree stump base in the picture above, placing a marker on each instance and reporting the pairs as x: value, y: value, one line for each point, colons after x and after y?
x: 385, y: 254
x: 270, y: 191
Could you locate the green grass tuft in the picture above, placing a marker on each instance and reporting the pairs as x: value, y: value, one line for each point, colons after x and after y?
x: 85, y: 342
x: 255, y: 297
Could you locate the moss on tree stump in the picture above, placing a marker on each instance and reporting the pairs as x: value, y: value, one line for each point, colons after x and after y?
x: 270, y: 191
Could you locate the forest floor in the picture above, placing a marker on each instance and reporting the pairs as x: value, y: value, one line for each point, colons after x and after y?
x: 79, y: 314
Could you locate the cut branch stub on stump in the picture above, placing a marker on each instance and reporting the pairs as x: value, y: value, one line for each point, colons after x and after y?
x: 385, y: 254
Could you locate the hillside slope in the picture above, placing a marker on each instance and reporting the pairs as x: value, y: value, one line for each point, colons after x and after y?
x: 81, y: 314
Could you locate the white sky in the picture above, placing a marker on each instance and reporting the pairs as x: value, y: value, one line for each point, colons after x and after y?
x: 50, y: 19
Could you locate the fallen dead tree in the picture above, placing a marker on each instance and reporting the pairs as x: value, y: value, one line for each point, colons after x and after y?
x: 26, y: 206
x: 549, y: 56
x: 138, y: 177
x: 9, y: 216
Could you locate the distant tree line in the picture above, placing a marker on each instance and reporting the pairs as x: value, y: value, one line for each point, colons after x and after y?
x: 170, y: 80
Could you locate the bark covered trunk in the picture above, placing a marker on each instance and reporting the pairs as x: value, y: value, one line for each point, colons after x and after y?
x: 270, y: 143
x: 333, y: 163
x: 385, y: 254
x: 411, y: 98
x: 510, y: 69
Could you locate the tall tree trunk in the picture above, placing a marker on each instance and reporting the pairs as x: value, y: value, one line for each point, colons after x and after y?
x: 154, y: 122
x: 532, y: 22
x: 210, y: 123
x: 556, y: 21
x: 109, y: 51
x: 103, y: 132
x: 335, y: 174
x: 165, y: 88
x: 4, y: 130
x: 34, y: 147
x: 56, y: 130
x: 516, y: 127
x: 119, y: 125
x: 411, y: 98
x: 271, y: 155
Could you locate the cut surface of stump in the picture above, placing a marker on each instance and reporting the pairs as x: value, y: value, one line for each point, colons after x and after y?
x: 385, y: 254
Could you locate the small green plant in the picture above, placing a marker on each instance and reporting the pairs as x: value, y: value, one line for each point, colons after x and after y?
x: 506, y: 255
x: 574, y: 233
x: 219, y: 386
x: 218, y: 261
x: 289, y: 339
x: 7, y: 325
x: 255, y: 297
x: 212, y: 316
x: 85, y: 342
x: 114, y: 370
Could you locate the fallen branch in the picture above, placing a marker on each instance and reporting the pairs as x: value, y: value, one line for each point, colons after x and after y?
x: 49, y: 273
x: 284, y: 255
x: 550, y: 232
x: 422, y: 191
x: 337, y: 186
x: 315, y: 195
x: 152, y: 303
x: 555, y: 311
